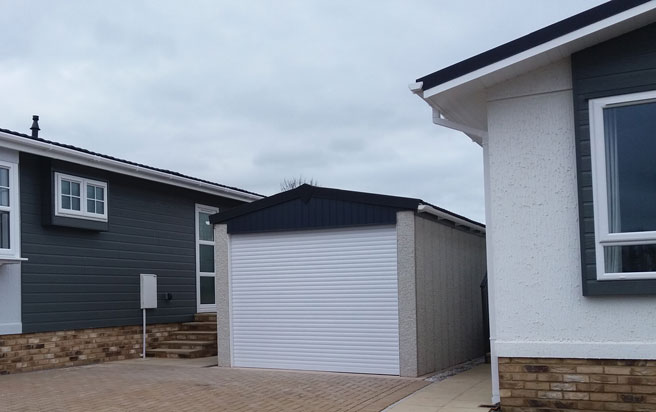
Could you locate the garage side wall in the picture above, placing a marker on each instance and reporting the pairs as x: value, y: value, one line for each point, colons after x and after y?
x: 450, y: 265
x: 222, y: 259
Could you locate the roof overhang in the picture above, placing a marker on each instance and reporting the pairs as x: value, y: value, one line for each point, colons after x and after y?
x: 461, y: 104
x: 22, y: 144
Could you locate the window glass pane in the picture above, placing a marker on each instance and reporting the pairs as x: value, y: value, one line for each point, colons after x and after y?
x: 4, y: 230
x: 91, y: 206
x: 4, y: 177
x: 4, y: 197
x: 205, y: 229
x: 630, y: 173
x: 66, y: 187
x: 66, y: 202
x: 206, y: 258
x: 100, y: 193
x: 207, y: 290
x: 633, y: 258
x: 75, y: 203
x: 100, y: 208
x: 75, y: 189
x: 91, y: 192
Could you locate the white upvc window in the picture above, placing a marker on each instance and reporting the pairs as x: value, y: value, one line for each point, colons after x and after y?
x: 623, y: 154
x: 9, y: 212
x: 80, y: 197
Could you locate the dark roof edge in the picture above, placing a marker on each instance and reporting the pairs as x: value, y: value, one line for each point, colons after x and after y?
x: 529, y: 41
x: 306, y: 191
x: 128, y: 162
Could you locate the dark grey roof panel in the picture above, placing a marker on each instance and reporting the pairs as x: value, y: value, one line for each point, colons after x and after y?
x: 529, y: 41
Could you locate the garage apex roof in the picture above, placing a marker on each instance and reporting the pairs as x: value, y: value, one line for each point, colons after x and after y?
x: 307, y: 192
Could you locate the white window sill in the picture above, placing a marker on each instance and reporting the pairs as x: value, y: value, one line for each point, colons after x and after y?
x: 10, y: 260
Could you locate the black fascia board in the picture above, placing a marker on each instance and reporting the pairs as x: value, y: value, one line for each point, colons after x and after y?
x: 131, y: 163
x: 529, y: 41
x: 306, y: 192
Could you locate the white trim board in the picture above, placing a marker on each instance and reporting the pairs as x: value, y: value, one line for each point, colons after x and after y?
x: 62, y: 153
x: 576, y: 349
x: 11, y: 328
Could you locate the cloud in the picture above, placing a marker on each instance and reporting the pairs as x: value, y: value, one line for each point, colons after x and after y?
x: 249, y: 93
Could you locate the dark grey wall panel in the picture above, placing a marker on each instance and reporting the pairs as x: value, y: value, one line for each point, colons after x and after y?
x: 316, y: 213
x: 626, y: 64
x: 82, y: 278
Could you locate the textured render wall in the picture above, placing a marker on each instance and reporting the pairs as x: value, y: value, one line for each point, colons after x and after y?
x: 222, y: 259
x: 533, y: 224
x: 405, y: 237
x: 450, y: 265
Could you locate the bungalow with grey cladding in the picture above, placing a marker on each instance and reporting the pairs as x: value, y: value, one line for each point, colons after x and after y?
x: 334, y: 280
x: 77, y: 229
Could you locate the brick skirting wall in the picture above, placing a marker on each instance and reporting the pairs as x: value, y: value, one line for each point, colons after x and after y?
x: 529, y: 384
x: 47, y: 350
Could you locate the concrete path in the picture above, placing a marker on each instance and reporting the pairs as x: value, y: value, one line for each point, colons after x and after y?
x: 464, y: 392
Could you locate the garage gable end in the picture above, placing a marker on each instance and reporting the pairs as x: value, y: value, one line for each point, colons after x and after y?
x: 316, y: 213
x: 310, y: 207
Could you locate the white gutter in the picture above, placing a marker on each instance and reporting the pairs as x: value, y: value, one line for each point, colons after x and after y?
x: 446, y: 216
x: 23, y: 144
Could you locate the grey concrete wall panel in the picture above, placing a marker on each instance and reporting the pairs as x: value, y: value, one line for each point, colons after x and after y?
x: 450, y: 265
x: 222, y: 259
x: 405, y: 238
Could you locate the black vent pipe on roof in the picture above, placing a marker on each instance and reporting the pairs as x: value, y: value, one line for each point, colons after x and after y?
x: 35, y: 126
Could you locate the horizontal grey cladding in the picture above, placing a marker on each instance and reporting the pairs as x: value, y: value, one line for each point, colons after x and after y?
x: 315, y: 213
x: 625, y: 64
x: 83, y: 277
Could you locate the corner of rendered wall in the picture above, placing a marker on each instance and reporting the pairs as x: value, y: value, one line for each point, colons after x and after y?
x: 405, y: 238
x: 222, y: 262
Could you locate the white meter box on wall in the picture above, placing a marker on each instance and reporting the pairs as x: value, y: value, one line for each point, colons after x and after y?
x: 148, y: 291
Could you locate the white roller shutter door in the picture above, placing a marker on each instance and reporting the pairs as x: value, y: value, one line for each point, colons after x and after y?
x: 316, y: 300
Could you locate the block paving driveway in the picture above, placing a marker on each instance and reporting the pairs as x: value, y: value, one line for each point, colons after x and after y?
x: 143, y: 386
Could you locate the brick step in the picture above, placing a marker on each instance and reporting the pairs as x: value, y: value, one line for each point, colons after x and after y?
x: 187, y: 344
x: 199, y: 326
x: 180, y: 353
x: 194, y: 335
x: 205, y: 317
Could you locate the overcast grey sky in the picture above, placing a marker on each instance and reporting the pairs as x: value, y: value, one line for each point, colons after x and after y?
x: 248, y: 93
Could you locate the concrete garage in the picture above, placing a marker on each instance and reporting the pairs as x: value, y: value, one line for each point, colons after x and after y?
x: 333, y: 280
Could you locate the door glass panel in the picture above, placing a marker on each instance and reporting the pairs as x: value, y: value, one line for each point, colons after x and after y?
x: 205, y: 231
x: 4, y: 230
x: 206, y: 258
x: 4, y: 196
x: 207, y: 290
x: 4, y: 177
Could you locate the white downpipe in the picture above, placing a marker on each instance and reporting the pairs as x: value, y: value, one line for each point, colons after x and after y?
x: 143, y: 347
x: 442, y: 215
x: 494, y: 358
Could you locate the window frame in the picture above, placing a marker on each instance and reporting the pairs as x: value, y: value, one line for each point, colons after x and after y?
x: 204, y: 307
x: 603, y: 236
x: 83, y: 213
x: 14, y: 212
